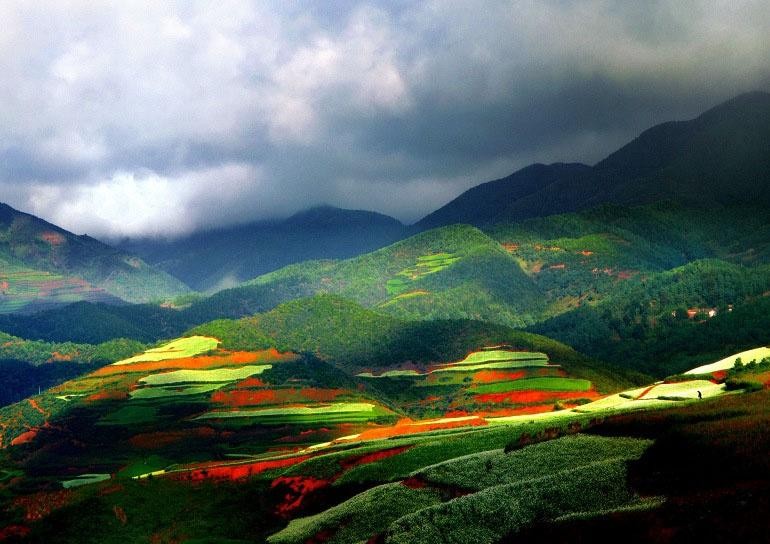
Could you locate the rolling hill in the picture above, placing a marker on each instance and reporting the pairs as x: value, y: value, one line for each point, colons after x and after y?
x: 43, y: 265
x: 222, y: 258
x: 614, y: 273
x: 720, y: 158
x: 290, y: 446
x: 449, y: 273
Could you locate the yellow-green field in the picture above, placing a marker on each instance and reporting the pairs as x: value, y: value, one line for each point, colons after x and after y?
x: 178, y: 349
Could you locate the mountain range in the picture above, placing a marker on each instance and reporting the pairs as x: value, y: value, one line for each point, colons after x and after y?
x: 720, y: 158
x: 569, y: 351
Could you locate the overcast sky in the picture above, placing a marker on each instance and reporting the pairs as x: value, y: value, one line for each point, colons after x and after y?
x: 157, y: 118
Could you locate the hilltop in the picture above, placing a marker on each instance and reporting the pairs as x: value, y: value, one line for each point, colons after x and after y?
x: 615, y: 274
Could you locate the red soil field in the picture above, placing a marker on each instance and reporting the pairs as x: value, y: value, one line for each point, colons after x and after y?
x: 238, y: 397
x: 25, y: 437
x: 532, y: 397
x: 235, y: 471
x: 372, y: 457
x: 491, y: 376
x: 164, y: 438
x: 250, y: 383
x: 408, y: 426
x: 38, y: 505
x: 14, y: 531
x: 415, y: 482
x: 297, y: 489
x: 719, y: 376
x: 107, y: 395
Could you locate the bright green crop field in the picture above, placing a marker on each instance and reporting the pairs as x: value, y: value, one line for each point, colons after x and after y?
x: 178, y: 349
x: 204, y: 376
x: 535, y: 384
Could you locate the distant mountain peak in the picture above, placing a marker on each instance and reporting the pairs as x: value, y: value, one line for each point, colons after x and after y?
x: 325, y: 215
x: 722, y: 157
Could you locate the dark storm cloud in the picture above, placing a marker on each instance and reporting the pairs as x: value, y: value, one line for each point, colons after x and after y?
x: 159, y: 118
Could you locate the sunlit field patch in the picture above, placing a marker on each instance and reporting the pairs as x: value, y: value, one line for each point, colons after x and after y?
x: 425, y: 265
x: 728, y: 362
x: 84, y: 479
x: 178, y: 349
x: 237, y: 358
x: 488, y: 356
x: 204, y: 376
x: 390, y: 374
x: 534, y: 384
x: 496, y: 360
x: 331, y: 413
x: 165, y: 391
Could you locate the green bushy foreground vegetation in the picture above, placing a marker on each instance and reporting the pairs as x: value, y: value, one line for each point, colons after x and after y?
x: 499, y: 490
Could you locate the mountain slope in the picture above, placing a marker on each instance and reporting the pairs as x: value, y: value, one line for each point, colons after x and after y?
x: 720, y: 158
x: 448, y: 273
x: 224, y: 257
x: 43, y: 264
x: 486, y: 203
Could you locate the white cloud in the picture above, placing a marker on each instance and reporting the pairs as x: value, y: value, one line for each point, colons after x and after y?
x: 143, y: 203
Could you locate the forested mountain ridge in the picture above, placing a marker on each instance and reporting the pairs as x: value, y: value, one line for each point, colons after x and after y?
x: 720, y: 158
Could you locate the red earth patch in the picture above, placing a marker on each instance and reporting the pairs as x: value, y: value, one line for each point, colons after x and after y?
x: 532, y: 397
x: 492, y: 376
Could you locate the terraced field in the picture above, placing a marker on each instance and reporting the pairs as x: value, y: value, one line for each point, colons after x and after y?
x: 191, y: 395
x: 727, y: 363
x: 26, y: 289
x: 303, y: 430
x: 502, y: 491
x: 425, y: 265
x: 490, y: 382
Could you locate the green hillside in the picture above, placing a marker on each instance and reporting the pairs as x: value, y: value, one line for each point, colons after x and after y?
x: 354, y: 337
x: 44, y: 265
x: 448, y: 273
x: 604, y: 281
x: 645, y: 324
